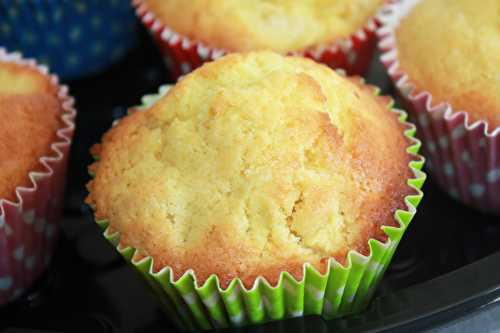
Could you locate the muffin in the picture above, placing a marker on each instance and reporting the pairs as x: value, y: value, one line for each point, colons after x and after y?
x: 337, y: 33
x: 74, y: 38
x: 29, y: 108
x: 36, y: 129
x: 444, y: 57
x: 252, y: 166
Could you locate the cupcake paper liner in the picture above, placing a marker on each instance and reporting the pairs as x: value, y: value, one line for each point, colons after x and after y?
x: 29, y: 225
x: 463, y: 156
x: 74, y: 38
x: 182, y: 54
x: 340, y: 291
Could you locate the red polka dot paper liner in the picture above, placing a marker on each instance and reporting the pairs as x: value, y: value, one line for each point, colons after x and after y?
x: 463, y: 156
x: 182, y: 54
x: 342, y: 290
x: 29, y: 225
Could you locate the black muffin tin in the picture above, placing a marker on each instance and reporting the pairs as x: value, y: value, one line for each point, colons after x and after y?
x: 446, y: 272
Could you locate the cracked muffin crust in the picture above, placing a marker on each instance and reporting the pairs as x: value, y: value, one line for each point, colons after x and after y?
x: 278, y: 25
x: 252, y: 165
x: 30, y: 116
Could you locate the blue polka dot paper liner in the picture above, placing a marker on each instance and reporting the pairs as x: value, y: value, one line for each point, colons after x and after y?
x: 463, y: 156
x: 74, y: 38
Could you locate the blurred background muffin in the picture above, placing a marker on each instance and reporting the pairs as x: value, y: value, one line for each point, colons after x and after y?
x: 36, y: 127
x: 337, y: 33
x: 457, y: 62
x: 74, y: 38
x: 444, y: 57
x: 30, y: 109
x: 248, y: 170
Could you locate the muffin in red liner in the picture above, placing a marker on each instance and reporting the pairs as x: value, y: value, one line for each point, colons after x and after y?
x: 351, y: 52
x: 458, y: 112
x: 36, y: 131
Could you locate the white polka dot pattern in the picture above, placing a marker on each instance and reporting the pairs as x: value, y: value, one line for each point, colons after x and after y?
x: 5, y: 283
x: 477, y: 190
x: 422, y: 119
x: 443, y: 142
x: 448, y: 169
x: 431, y: 146
x: 30, y: 262
x: 64, y: 33
x: 464, y: 156
x: 18, y: 253
x: 185, y: 67
x: 493, y: 176
x: 23, y: 244
x: 465, y: 162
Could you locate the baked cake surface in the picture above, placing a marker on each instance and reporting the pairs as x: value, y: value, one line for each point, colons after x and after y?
x: 451, y: 48
x: 30, y: 116
x: 278, y: 25
x: 252, y: 165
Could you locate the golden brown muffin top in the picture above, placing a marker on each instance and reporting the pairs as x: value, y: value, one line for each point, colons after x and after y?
x: 30, y: 112
x: 451, y: 48
x: 252, y: 165
x: 278, y: 25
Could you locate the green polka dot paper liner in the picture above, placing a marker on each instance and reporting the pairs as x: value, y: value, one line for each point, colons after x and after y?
x: 463, y: 156
x: 73, y: 37
x: 341, y: 291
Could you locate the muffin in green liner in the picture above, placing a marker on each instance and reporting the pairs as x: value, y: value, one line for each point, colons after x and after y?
x: 329, y: 285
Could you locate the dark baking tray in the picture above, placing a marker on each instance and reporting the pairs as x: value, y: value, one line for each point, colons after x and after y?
x: 447, y: 265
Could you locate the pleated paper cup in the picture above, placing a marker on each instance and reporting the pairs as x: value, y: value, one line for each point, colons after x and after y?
x: 183, y: 54
x: 463, y: 155
x: 342, y: 290
x: 29, y: 225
